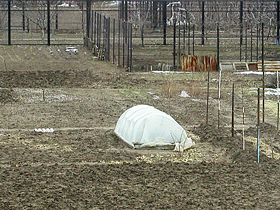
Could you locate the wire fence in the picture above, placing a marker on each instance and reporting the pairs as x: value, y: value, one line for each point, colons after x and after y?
x: 145, y: 35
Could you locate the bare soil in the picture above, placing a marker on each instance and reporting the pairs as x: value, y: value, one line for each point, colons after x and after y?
x: 83, y: 165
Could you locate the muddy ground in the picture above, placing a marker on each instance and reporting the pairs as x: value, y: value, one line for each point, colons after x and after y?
x: 83, y: 165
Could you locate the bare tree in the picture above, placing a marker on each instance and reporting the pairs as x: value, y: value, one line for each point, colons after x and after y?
x: 38, y: 16
x: 139, y: 20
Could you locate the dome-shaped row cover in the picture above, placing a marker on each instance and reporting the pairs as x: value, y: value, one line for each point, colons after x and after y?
x: 146, y: 125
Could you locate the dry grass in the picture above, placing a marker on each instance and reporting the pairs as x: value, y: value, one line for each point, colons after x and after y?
x: 169, y: 85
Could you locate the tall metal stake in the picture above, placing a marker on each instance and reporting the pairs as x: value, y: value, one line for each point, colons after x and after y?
x: 48, y: 22
x: 219, y: 96
x: 232, y: 112
x: 9, y: 22
x: 218, y: 47
x: 202, y: 22
x: 278, y: 101
x: 243, y: 120
x: 174, y: 44
x: 263, y: 84
x: 207, y: 101
x: 258, y: 127
x: 278, y: 22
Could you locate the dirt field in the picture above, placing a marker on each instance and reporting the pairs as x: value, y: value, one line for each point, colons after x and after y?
x: 83, y: 165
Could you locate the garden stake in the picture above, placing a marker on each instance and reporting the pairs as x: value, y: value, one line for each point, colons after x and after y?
x: 251, y: 43
x: 232, y: 112
x: 258, y: 126
x: 258, y: 144
x: 5, y: 64
x: 263, y: 67
x: 218, y: 47
x: 189, y: 39
x: 277, y: 101
x: 193, y: 40
x: 207, y: 106
x: 243, y: 120
x: 257, y: 50
x: 219, y: 92
x: 246, y: 44
x: 43, y: 95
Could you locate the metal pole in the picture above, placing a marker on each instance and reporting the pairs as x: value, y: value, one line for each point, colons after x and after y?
x: 203, y: 23
x: 278, y: 21
x: 263, y: 84
x: 9, y: 22
x: 119, y: 43
x: 241, y: 21
x: 88, y: 12
x: 95, y: 27
x: 243, y: 120
x: 164, y: 21
x: 56, y: 17
x: 108, y: 38
x: 189, y: 39
x: 125, y: 11
x: 92, y: 27
x: 174, y: 44
x: 184, y: 39
x: 258, y: 108
x: 123, y: 39
x: 251, y: 43
x: 278, y: 100
x: 179, y: 45
x: 257, y: 42
x: 114, y: 35
x: 23, y: 15
x: 246, y: 43
x: 130, y: 40
x: 128, y: 45
x: 218, y: 47
x: 258, y: 144
x: 48, y: 22
x: 219, y: 97
x: 232, y: 112
x: 258, y: 127
x: 207, y: 100
x: 193, y: 39
x: 27, y: 25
